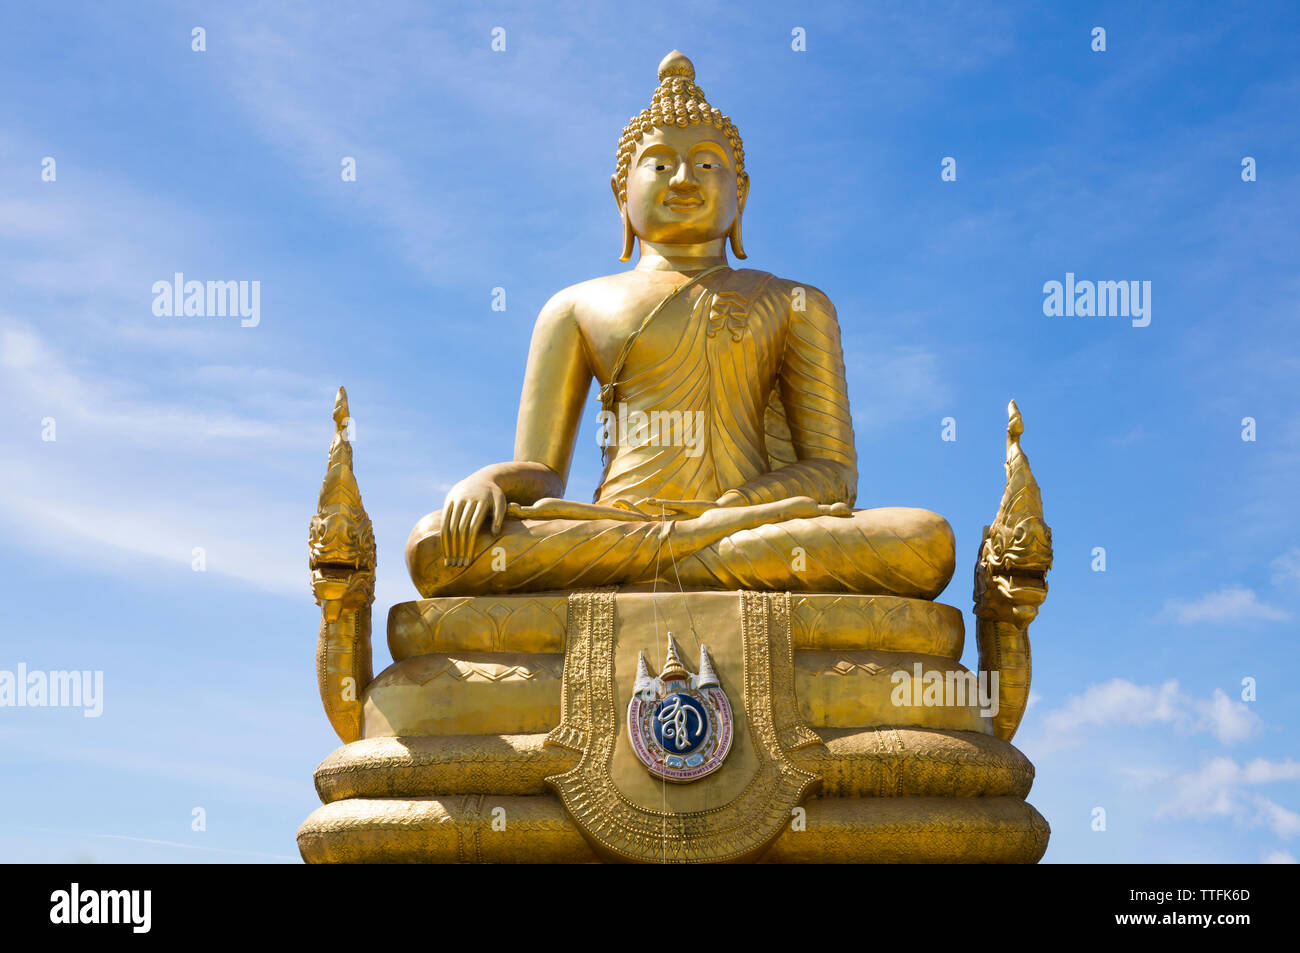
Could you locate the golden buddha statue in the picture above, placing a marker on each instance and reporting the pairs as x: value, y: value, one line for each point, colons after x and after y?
x: 541, y: 706
x: 746, y: 363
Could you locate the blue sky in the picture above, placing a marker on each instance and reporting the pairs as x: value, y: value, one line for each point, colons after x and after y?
x: 478, y: 169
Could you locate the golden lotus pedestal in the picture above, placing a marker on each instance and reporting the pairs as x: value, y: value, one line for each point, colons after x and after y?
x: 499, y: 735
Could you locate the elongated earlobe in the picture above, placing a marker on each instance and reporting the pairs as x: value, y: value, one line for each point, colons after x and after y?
x: 742, y: 193
x: 736, y: 246
x: 628, y: 237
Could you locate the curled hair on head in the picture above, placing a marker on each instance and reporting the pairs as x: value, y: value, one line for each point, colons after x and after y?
x: 677, y: 102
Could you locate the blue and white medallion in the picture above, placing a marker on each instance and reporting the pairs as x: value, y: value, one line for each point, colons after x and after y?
x: 680, y: 724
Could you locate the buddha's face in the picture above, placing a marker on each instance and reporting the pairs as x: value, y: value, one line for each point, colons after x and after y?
x: 681, y: 186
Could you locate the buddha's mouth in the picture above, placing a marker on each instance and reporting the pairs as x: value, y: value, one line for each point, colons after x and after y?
x: 682, y: 204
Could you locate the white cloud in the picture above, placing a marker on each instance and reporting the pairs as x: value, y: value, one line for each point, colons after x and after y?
x: 1229, y: 721
x: 39, y: 378
x: 1230, y: 604
x: 1286, y: 568
x: 1222, y: 788
x: 131, y: 473
x: 137, y: 478
x: 1118, y: 701
x: 1122, y: 702
x: 1279, y: 857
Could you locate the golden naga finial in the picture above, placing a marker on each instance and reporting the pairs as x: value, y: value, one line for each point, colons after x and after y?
x: 1020, y: 542
x: 341, y: 537
x: 341, y: 558
x: 342, y: 418
x: 1011, y: 581
x: 339, y: 491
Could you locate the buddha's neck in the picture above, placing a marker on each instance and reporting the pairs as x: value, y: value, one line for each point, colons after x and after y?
x: 656, y: 256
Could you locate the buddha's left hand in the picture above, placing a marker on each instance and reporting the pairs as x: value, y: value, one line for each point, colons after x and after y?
x: 656, y: 507
x: 689, y: 508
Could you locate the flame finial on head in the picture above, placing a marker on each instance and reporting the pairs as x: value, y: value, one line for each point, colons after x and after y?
x: 676, y: 63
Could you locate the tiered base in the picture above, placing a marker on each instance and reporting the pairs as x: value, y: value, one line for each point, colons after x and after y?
x: 477, y: 828
x: 453, y: 763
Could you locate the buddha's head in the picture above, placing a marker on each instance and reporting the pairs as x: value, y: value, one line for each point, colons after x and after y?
x: 681, y: 176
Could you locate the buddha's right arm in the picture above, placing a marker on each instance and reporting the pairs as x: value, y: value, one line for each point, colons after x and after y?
x: 555, y: 389
x: 556, y: 382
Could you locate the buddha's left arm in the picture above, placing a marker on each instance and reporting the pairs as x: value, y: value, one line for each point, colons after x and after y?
x: 815, y: 395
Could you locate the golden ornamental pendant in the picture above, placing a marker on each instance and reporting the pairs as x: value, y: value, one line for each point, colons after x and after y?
x: 680, y: 724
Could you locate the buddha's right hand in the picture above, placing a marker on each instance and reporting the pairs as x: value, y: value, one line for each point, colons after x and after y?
x: 469, y: 503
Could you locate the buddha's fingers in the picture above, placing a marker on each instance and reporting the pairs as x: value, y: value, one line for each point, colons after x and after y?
x: 470, y: 527
x: 447, y: 536
x: 499, y: 507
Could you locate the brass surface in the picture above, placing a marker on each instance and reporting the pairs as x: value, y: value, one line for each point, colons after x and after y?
x: 856, y: 689
x: 516, y: 693
x: 853, y: 762
x: 441, y: 765
x: 916, y: 762
x: 538, y: 830
x: 455, y: 830
x: 484, y: 693
x: 535, y: 623
x: 916, y: 830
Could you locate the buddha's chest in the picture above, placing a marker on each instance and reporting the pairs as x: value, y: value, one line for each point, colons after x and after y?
x: 697, y: 326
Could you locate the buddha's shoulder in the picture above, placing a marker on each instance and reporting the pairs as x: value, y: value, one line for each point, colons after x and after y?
x: 779, y: 290
x: 594, y: 295
x: 611, y: 294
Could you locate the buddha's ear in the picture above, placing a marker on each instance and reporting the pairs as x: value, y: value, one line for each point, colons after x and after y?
x: 628, y: 234
x: 742, y: 193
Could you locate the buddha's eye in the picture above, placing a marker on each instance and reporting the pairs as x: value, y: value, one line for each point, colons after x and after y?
x: 706, y: 165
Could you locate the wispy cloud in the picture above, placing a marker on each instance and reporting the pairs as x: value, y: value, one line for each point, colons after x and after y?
x: 1231, y: 604
x: 1224, y: 788
x: 138, y: 472
x: 1286, y: 568
x: 38, y: 377
x: 1122, y: 702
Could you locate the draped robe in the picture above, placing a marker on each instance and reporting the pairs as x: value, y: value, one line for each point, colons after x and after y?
x: 756, y: 363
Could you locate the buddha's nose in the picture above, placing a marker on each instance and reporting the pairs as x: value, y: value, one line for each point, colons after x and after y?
x: 684, y: 177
